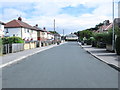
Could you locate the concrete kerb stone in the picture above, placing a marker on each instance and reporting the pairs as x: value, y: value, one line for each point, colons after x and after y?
x: 23, y: 57
x: 113, y: 66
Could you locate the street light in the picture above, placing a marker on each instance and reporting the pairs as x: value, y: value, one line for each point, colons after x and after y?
x: 54, y: 31
x: 113, y: 34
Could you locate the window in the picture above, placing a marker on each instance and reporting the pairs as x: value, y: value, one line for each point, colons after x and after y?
x: 28, y: 30
x: 43, y: 33
x: 25, y: 30
x: 7, y: 31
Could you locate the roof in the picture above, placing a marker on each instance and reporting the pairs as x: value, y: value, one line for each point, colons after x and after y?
x: 18, y: 23
x: 109, y: 27
x: 38, y: 28
x: 48, y: 32
x: 2, y: 23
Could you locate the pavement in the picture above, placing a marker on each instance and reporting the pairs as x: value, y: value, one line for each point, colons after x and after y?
x: 11, y: 58
x: 105, y: 56
x: 65, y: 66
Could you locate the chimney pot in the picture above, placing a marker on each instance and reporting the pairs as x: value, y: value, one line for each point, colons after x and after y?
x: 37, y: 25
x: 20, y: 19
x: 44, y: 28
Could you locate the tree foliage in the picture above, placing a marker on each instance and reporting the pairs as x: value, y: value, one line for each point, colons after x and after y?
x: 53, y: 32
x: 84, y: 33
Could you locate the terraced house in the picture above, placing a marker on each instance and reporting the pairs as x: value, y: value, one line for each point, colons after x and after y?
x: 21, y: 29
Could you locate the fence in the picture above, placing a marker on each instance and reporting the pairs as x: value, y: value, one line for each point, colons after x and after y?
x: 12, y: 48
x: 16, y: 47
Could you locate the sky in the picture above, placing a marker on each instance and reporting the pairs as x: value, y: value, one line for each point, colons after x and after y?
x: 70, y: 15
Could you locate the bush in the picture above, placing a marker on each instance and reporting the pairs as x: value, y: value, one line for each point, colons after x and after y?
x: 10, y: 40
x: 100, y: 37
x: 108, y: 38
x: 118, y: 45
x: 93, y: 42
x: 99, y: 40
x: 88, y: 42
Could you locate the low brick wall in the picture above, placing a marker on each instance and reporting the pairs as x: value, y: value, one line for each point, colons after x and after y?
x: 30, y: 45
x: 26, y: 46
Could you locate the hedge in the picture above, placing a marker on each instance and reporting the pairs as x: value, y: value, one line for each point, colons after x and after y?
x: 10, y: 40
x: 118, y: 45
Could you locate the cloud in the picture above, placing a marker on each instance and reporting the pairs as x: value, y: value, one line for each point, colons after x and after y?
x: 11, y: 13
x: 43, y: 12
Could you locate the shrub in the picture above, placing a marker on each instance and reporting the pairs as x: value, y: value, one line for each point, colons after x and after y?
x: 100, y: 40
x: 118, y: 45
x: 88, y: 42
x: 10, y: 40
x: 108, y: 38
x: 100, y: 37
x: 93, y: 42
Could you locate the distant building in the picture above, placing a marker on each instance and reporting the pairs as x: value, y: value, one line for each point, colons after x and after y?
x: 71, y: 37
x: 21, y: 29
x: 107, y: 26
x: 50, y: 36
x: 2, y: 29
x: 57, y: 37
x: 44, y: 34
x: 40, y: 33
x: 119, y: 9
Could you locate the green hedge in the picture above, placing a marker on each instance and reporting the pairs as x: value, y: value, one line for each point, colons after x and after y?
x: 10, y: 40
x: 118, y: 45
x: 99, y: 40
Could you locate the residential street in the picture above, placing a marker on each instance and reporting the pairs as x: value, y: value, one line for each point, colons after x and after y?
x: 65, y: 66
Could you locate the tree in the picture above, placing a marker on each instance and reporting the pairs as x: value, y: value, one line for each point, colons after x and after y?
x: 84, y: 33
x: 53, y: 32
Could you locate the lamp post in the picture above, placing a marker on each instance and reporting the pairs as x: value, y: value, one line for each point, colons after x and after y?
x: 54, y: 31
x: 63, y: 35
x: 113, y: 31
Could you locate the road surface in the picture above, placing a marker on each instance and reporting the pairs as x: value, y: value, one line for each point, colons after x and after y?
x: 65, y: 66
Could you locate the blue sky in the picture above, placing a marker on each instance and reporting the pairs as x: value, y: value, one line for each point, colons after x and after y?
x: 70, y: 15
x: 77, y: 11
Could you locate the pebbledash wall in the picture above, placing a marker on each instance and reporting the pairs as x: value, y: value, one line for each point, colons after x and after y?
x: 24, y: 33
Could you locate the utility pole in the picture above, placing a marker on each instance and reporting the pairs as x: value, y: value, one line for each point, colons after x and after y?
x: 119, y: 9
x: 63, y: 35
x: 54, y: 25
x: 113, y: 36
x: 54, y: 30
x: 63, y: 32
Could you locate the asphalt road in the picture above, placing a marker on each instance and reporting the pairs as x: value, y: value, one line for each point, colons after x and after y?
x: 65, y: 66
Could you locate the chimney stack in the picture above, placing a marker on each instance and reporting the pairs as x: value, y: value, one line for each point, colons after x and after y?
x: 20, y: 19
x: 36, y: 25
x: 44, y: 28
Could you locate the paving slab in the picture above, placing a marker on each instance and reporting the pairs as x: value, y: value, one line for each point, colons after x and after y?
x: 103, y: 55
